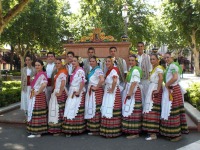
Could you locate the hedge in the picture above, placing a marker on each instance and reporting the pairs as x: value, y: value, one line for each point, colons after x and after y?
x: 193, y: 95
x: 11, y: 93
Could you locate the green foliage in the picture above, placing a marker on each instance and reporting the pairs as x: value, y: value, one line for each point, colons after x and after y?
x: 193, y: 95
x: 107, y: 14
x: 11, y: 93
x: 42, y: 24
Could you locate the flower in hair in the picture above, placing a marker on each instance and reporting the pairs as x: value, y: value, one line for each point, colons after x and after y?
x: 80, y: 60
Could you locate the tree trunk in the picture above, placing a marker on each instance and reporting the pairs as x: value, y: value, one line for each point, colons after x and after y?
x: 11, y: 57
x: 195, y: 54
x: 11, y: 13
x: 22, y: 61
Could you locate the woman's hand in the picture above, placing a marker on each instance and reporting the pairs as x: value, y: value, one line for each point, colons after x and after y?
x: 77, y: 94
x: 36, y: 93
x: 110, y: 90
x: 94, y: 88
x: 58, y: 94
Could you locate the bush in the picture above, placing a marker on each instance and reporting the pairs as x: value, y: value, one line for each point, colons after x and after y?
x: 11, y: 93
x: 193, y: 95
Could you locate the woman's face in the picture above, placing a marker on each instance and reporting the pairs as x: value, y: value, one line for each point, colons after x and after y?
x: 168, y: 58
x: 109, y: 63
x: 93, y: 62
x: 75, y: 62
x: 28, y: 61
x: 59, y: 64
x: 154, y: 60
x: 38, y: 67
x: 132, y: 61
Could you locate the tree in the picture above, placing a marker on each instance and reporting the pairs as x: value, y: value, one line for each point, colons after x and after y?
x: 184, y: 18
x: 4, y: 20
x: 108, y: 16
x: 42, y: 25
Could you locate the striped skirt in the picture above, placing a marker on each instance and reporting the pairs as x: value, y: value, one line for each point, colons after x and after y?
x: 38, y: 123
x: 76, y: 125
x: 112, y: 127
x: 176, y: 123
x: 93, y: 125
x: 57, y: 128
x: 151, y: 120
x: 133, y: 123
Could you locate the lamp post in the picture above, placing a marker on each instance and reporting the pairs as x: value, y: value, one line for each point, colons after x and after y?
x: 126, y: 19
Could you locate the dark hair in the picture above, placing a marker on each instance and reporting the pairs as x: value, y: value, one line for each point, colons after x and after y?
x: 91, y: 48
x: 156, y: 55
x: 140, y: 43
x: 113, y: 47
x: 28, y: 57
x: 134, y: 56
x: 94, y: 57
x: 110, y: 57
x: 51, y: 53
x: 70, y: 52
x: 169, y: 53
x: 80, y: 64
x: 59, y: 59
x: 41, y: 62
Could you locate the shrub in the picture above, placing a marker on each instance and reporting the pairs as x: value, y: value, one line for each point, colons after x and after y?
x: 11, y: 93
x: 193, y: 95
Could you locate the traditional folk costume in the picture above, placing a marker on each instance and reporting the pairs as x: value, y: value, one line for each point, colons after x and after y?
x: 120, y: 63
x: 50, y: 70
x: 145, y: 65
x: 74, y: 122
x: 69, y: 68
x: 57, y: 103
x: 152, y: 105
x: 37, y: 109
x: 93, y: 101
x: 173, y: 119
x: 27, y: 74
x: 132, y: 108
x: 111, y: 107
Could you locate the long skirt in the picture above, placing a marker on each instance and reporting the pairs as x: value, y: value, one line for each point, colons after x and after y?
x: 24, y: 98
x: 93, y: 124
x: 57, y: 128
x: 76, y: 125
x: 176, y: 123
x: 38, y: 122
x: 111, y: 127
x: 151, y: 120
x: 133, y: 123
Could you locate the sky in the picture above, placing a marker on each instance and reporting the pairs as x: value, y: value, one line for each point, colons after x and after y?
x: 75, y: 4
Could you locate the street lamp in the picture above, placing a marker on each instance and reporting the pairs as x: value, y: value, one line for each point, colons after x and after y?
x: 126, y: 19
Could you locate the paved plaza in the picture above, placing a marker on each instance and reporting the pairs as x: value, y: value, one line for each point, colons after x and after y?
x: 13, y: 136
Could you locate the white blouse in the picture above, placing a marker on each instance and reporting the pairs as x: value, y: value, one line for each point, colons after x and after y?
x: 94, y: 79
x: 42, y: 79
x: 135, y: 77
x: 78, y: 78
x: 154, y: 77
x: 171, y: 70
x: 109, y: 78
x: 60, y: 78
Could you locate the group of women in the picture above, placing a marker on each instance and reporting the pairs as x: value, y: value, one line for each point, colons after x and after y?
x: 102, y: 110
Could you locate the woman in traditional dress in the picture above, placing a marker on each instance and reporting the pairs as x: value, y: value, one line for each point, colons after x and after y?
x: 37, y: 109
x: 74, y: 122
x: 152, y: 105
x: 173, y: 119
x: 26, y: 74
x: 132, y: 101
x: 111, y: 105
x: 57, y: 100
x: 94, y: 97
